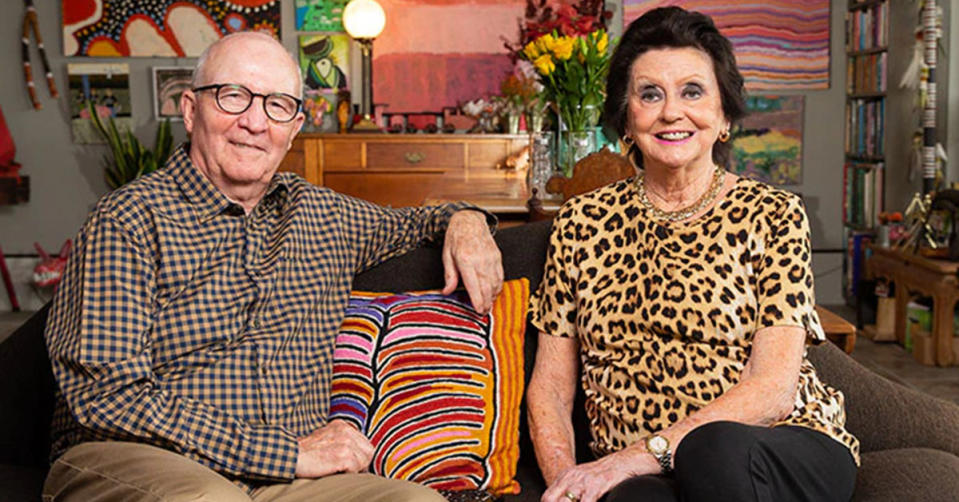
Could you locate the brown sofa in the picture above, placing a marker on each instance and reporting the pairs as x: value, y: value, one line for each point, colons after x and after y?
x: 910, y: 441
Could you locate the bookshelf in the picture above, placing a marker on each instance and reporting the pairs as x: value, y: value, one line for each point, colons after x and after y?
x: 864, y: 166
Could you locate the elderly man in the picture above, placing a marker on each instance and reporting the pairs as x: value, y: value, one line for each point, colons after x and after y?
x: 192, y: 334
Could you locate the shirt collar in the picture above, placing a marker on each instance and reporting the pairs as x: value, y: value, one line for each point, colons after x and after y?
x: 203, y: 194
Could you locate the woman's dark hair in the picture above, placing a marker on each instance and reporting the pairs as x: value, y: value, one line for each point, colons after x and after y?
x: 673, y: 27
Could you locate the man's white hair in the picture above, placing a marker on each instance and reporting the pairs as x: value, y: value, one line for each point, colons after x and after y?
x: 199, y: 72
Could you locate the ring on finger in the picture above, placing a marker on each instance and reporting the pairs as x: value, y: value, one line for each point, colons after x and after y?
x: 571, y: 496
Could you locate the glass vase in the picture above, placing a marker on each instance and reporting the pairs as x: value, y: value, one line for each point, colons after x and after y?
x: 512, y: 123
x: 541, y: 162
x: 575, y: 145
x: 577, y: 137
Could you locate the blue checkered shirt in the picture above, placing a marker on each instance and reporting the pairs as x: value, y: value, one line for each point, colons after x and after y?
x: 184, y: 323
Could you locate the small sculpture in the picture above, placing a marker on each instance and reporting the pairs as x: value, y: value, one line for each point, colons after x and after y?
x: 484, y: 112
x: 48, y: 272
x: 343, y: 109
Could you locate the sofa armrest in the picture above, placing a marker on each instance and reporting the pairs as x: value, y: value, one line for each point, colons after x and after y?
x: 883, y: 414
x: 26, y: 395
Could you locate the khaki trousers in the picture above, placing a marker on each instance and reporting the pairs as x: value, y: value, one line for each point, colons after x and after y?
x: 119, y: 472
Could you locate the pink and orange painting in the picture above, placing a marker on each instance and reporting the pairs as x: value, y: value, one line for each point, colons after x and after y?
x: 434, y: 54
x: 159, y: 28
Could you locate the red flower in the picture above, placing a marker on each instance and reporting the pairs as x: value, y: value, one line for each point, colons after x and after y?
x: 579, y: 18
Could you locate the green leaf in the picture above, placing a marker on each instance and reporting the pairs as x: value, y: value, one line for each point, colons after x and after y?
x: 128, y: 158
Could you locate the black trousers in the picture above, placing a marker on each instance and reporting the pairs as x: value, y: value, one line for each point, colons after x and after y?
x: 728, y: 461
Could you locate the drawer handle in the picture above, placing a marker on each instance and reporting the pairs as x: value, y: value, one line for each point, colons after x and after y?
x: 414, y: 157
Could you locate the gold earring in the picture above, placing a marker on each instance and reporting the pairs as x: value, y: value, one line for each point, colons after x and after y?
x: 628, y: 141
x: 724, y: 136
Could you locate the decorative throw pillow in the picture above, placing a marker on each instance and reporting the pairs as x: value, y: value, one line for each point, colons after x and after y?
x: 435, y: 385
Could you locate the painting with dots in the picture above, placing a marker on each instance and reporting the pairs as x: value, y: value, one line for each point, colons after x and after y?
x: 159, y: 28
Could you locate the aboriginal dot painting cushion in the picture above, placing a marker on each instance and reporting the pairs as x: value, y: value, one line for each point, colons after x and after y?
x: 435, y: 385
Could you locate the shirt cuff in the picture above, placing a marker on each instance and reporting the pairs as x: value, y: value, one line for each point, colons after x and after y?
x: 271, y: 454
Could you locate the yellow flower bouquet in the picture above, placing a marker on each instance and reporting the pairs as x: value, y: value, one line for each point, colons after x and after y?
x: 573, y: 72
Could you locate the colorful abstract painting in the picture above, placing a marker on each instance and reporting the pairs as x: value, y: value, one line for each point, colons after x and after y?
x: 159, y: 28
x: 434, y: 54
x: 168, y: 85
x: 767, y: 146
x: 108, y: 87
x: 779, y: 44
x: 324, y: 61
x: 320, y: 15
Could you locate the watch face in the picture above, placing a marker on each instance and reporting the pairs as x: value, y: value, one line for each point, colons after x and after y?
x: 657, y: 445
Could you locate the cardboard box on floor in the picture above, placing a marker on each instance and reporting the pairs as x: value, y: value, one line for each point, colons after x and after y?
x: 923, y: 347
x: 885, y: 321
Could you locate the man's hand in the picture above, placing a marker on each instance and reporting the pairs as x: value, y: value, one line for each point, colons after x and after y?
x: 471, y: 254
x: 335, y: 447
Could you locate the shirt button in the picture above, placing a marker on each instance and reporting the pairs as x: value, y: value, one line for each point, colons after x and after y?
x: 256, y: 323
x: 264, y: 370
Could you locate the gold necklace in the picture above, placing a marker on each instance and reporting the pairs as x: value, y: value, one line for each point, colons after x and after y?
x: 688, y: 211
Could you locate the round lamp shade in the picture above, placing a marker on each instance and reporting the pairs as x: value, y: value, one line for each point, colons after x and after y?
x: 364, y: 18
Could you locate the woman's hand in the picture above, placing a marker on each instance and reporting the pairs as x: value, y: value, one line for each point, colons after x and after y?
x: 590, y: 481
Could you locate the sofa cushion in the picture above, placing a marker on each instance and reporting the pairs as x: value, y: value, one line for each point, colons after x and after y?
x: 435, y: 385
x: 908, y: 474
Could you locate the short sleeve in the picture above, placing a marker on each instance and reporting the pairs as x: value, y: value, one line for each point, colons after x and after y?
x: 553, y: 305
x: 785, y: 290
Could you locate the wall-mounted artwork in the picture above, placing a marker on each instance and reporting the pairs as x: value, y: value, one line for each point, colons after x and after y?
x: 324, y: 61
x: 779, y: 44
x: 320, y: 15
x: 767, y: 146
x: 108, y: 87
x: 433, y: 55
x: 167, y: 28
x: 168, y: 85
x: 319, y: 108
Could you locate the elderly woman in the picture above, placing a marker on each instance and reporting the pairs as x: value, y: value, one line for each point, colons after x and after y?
x: 685, y: 297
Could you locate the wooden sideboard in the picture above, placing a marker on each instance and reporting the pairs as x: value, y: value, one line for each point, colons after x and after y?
x: 915, y: 274
x: 405, y: 169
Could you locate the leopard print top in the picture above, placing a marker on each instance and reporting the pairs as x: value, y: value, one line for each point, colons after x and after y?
x: 665, y: 313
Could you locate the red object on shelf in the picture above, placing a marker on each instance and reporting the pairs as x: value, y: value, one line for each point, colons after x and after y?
x: 8, y: 168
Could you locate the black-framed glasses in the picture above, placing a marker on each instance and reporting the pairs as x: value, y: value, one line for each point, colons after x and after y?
x: 236, y: 99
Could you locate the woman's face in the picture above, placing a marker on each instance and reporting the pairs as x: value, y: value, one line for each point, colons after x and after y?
x: 674, y: 111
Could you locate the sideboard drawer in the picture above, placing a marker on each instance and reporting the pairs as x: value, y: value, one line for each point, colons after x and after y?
x: 342, y: 154
x: 414, y: 154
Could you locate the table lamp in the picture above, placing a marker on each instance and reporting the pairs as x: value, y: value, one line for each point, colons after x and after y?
x: 364, y: 20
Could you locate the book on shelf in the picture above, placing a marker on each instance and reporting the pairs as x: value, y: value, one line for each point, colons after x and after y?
x: 862, y: 198
x: 866, y: 73
x: 867, y: 28
x: 865, y: 119
x: 855, y: 262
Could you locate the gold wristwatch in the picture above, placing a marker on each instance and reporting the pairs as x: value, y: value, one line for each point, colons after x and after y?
x: 658, y: 446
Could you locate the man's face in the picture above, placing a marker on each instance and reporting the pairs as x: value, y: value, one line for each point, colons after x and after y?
x: 240, y: 153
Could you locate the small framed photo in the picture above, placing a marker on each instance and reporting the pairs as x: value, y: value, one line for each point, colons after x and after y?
x: 169, y: 82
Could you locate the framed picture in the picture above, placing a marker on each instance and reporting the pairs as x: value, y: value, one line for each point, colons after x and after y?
x: 107, y: 86
x: 168, y: 84
x: 767, y: 145
x: 324, y: 61
x: 319, y: 15
x: 320, y: 110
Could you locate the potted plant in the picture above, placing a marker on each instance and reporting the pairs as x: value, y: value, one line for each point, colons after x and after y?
x: 130, y: 159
